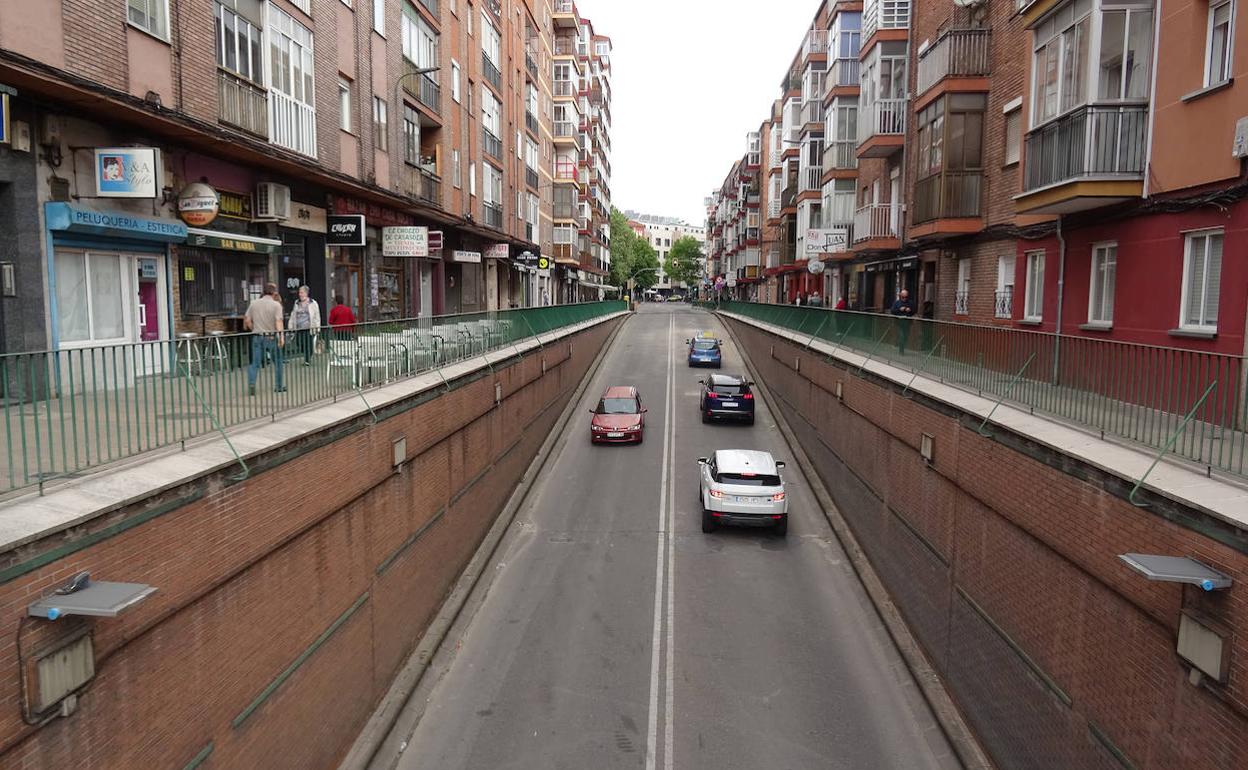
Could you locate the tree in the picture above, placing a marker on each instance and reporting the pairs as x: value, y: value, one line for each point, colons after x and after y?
x: 684, y: 261
x: 644, y: 264
x: 623, y: 243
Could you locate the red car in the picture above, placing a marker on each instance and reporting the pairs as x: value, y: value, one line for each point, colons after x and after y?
x: 620, y: 418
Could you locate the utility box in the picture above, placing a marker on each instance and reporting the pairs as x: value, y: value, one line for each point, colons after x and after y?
x: 1203, y: 647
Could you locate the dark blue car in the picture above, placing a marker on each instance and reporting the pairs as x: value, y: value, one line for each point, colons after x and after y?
x: 727, y: 397
x: 704, y: 351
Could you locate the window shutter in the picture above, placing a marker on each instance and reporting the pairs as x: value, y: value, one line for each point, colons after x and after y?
x: 1195, y: 280
x: 1213, y: 281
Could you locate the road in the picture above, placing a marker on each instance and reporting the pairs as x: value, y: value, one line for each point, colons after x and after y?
x: 755, y: 652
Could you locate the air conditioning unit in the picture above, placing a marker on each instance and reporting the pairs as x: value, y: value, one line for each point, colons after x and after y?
x: 272, y: 201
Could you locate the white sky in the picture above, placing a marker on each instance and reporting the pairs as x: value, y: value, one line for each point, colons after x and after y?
x: 689, y: 78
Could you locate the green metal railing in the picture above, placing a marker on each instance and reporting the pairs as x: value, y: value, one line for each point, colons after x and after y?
x: 1137, y: 392
x: 70, y: 410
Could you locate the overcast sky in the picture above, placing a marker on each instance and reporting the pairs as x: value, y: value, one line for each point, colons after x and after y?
x: 689, y: 78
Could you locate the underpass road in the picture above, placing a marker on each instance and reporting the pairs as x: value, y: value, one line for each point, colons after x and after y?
x: 768, y: 654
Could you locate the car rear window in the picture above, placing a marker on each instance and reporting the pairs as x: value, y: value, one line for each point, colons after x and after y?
x: 728, y: 390
x: 617, y: 406
x: 749, y: 480
x: 705, y: 345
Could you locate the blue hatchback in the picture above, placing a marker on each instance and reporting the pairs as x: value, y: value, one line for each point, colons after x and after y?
x: 704, y: 351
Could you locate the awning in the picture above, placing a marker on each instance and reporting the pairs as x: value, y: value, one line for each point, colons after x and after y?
x: 215, y: 239
x: 596, y: 285
x: 899, y: 263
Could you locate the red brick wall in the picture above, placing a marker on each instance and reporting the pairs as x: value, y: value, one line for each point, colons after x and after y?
x: 998, y: 549
x: 250, y: 574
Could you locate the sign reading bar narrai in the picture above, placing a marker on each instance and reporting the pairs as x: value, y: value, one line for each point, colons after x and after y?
x: 405, y: 241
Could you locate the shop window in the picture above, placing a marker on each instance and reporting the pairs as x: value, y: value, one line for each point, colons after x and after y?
x: 1202, y: 280
x: 218, y: 283
x: 90, y: 296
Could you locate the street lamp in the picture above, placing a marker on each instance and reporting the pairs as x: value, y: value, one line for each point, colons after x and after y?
x: 631, y: 295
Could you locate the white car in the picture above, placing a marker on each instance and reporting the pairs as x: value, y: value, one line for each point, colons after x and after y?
x: 742, y: 486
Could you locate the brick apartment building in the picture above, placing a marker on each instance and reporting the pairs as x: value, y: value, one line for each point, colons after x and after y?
x: 999, y: 188
x: 161, y: 160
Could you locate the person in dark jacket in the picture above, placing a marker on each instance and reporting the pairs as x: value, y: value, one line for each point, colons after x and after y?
x: 903, y: 308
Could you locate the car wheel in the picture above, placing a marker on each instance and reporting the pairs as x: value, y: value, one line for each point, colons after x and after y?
x: 750, y: 421
x: 705, y: 418
x: 782, y: 528
x: 708, y: 521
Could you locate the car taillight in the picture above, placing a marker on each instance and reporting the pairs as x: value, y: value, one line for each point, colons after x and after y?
x: 748, y: 397
x: 712, y: 394
x: 778, y: 496
x: 716, y: 493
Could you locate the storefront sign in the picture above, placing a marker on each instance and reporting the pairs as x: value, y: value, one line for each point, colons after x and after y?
x: 471, y: 257
x: 235, y: 205
x: 198, y: 204
x: 377, y: 215
x: 306, y: 217
x: 435, y: 240
x: 405, y: 241
x: 497, y: 251
x: 732, y: 283
x: 207, y: 239
x: 909, y: 263
x: 147, y: 268
x: 66, y: 216
x: 830, y: 241
x: 543, y: 263
x: 345, y: 230
x: 127, y: 172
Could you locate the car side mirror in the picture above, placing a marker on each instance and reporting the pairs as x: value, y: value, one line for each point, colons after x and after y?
x: 591, y: 411
x: 750, y: 383
x: 701, y: 382
x: 688, y: 342
x: 644, y: 410
x: 780, y: 466
x: 701, y: 461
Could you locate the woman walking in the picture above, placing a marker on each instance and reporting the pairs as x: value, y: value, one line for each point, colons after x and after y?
x: 305, y: 319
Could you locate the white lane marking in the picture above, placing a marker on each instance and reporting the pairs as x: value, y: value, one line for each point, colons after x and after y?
x: 669, y: 670
x: 652, y: 727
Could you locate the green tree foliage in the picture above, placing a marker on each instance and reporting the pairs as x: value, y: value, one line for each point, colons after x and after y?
x: 684, y: 261
x: 629, y: 254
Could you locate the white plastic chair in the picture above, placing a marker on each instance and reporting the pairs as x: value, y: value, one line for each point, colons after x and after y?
x: 343, y: 354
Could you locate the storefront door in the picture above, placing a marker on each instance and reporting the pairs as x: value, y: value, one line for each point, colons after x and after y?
x: 149, y: 301
x: 426, y: 289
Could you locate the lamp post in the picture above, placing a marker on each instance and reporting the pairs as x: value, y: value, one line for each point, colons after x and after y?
x: 631, y: 297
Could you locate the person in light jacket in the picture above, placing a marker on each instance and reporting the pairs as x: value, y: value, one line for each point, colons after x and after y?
x: 305, y: 319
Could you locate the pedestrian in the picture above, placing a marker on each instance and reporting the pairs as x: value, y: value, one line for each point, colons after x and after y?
x: 815, y: 300
x: 903, y: 309
x: 797, y: 299
x: 341, y: 319
x: 305, y: 319
x: 264, y: 320
x: 841, y: 304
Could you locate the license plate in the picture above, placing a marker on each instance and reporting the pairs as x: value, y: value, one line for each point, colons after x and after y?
x: 730, y: 403
x: 615, y: 435
x: 746, y: 499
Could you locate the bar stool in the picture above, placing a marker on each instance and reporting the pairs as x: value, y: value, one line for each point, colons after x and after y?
x: 218, y: 357
x: 188, y: 354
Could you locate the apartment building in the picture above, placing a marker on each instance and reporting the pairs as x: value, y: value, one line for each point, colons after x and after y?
x: 661, y: 232
x: 734, y: 225
x: 999, y: 188
x: 161, y: 161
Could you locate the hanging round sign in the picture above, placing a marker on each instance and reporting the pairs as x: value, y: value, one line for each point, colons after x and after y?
x: 815, y: 266
x: 198, y: 204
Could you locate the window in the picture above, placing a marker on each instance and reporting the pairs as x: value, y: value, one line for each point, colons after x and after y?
x: 1033, y: 306
x: 1013, y: 136
x: 491, y: 110
x: 961, y: 304
x: 1126, y: 53
x: 411, y: 136
x: 1060, y: 62
x: 239, y: 44
x: 420, y: 42
x: 1218, y: 46
x: 344, y: 104
x: 150, y: 16
x: 491, y: 43
x: 456, y: 179
x: 492, y: 185
x: 1101, y: 296
x: 1202, y: 280
x: 303, y: 5
x: 292, y: 102
x: 468, y: 20
x: 91, y: 291
x: 455, y: 80
x: 379, y: 17
x: 472, y: 178
x: 381, y: 126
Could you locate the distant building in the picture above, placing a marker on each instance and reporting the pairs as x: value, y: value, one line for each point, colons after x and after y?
x: 661, y: 233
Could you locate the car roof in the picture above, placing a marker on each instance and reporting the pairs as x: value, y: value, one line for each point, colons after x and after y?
x: 744, y: 461
x: 620, y: 391
x: 726, y: 379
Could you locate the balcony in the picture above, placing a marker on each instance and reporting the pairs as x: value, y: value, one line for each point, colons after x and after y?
x: 1093, y: 156
x: 840, y: 155
x: 530, y: 65
x: 949, y: 195
x: 565, y: 46
x: 773, y: 209
x: 1003, y: 303
x: 431, y: 6
x: 565, y: 6
x: 958, y: 53
x: 242, y: 104
x: 881, y: 128
x: 531, y: 178
x: 564, y: 129
x: 811, y: 179
x: 492, y: 145
x: 876, y: 226
x: 493, y: 215
x: 884, y: 14
x: 844, y: 73
x: 812, y: 113
x: 491, y: 72
x: 422, y: 183
x: 424, y: 87
x: 564, y: 87
x: 293, y: 124
x: 816, y: 42
x: 962, y: 303
x: 530, y: 121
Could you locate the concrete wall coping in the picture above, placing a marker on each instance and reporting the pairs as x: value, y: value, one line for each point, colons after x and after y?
x: 31, y: 517
x: 1221, y: 499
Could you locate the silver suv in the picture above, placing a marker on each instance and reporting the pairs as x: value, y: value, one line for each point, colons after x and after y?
x: 742, y: 486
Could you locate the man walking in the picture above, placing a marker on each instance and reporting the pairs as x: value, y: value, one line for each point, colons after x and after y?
x: 904, y: 310
x: 264, y: 321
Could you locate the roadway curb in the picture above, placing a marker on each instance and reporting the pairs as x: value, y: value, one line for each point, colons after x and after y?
x: 367, y: 746
x: 959, y: 734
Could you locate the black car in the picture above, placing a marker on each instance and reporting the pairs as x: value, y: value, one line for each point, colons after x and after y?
x: 727, y: 396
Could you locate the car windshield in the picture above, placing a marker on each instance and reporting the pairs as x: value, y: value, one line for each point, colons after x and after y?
x: 727, y: 390
x: 705, y: 345
x: 749, y: 479
x: 617, y: 406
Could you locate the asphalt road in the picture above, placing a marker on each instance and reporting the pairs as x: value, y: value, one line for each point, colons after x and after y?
x: 762, y: 652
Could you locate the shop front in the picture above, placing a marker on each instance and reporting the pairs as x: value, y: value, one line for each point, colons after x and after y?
x: 463, y: 270
x: 219, y: 273
x: 497, y: 276
x: 302, y: 257
x: 108, y: 275
x: 376, y: 287
x: 881, y: 283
